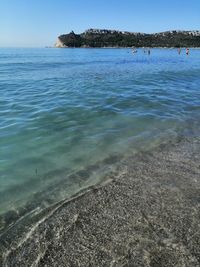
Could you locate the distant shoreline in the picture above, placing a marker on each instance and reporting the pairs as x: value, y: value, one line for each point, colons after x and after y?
x: 112, y: 38
x: 123, y: 47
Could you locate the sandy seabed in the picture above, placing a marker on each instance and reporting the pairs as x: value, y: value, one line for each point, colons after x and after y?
x: 147, y: 213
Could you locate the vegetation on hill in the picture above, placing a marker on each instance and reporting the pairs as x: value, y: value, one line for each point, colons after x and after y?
x: 110, y: 38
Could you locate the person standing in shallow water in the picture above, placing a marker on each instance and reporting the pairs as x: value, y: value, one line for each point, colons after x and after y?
x: 149, y: 52
x: 179, y: 50
x: 187, y: 51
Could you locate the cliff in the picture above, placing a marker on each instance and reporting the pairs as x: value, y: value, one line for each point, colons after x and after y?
x: 113, y: 38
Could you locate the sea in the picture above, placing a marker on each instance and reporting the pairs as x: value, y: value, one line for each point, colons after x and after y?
x: 68, y: 116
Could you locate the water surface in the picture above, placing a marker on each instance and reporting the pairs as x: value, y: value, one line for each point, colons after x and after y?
x: 68, y: 115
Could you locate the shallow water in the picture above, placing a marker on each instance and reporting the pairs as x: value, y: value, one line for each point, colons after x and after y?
x: 67, y: 115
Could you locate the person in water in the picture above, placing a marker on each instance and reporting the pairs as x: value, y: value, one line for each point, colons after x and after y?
x: 149, y: 52
x: 179, y: 50
x: 187, y: 51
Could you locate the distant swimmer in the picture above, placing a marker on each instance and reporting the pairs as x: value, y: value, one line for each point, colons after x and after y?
x: 187, y: 51
x: 134, y: 50
x: 149, y: 52
x: 179, y: 51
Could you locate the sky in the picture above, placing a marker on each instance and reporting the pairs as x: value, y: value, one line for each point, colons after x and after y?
x: 37, y: 23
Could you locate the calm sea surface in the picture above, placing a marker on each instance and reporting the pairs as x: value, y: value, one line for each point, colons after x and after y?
x: 66, y: 115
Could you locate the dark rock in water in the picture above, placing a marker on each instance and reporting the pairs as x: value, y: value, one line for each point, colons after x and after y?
x: 147, y: 216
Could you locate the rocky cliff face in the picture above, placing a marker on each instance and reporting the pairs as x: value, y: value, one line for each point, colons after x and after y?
x: 59, y: 43
x: 69, y: 40
x: 112, y: 38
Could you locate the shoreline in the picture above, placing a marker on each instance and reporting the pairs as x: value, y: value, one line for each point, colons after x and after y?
x: 140, y: 47
x: 146, y: 213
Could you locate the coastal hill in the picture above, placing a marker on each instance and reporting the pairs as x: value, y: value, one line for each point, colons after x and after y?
x: 113, y: 38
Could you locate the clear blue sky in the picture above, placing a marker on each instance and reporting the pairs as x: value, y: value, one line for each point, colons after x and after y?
x: 39, y: 22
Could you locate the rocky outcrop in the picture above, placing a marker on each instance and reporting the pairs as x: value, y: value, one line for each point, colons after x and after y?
x: 113, y: 38
x: 59, y: 44
x: 69, y: 40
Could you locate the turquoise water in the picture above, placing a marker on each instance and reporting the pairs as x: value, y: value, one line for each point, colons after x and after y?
x: 67, y: 114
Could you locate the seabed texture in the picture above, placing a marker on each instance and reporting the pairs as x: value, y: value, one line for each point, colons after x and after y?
x: 146, y: 214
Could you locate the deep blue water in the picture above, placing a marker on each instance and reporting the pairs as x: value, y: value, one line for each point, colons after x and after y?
x: 63, y: 110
